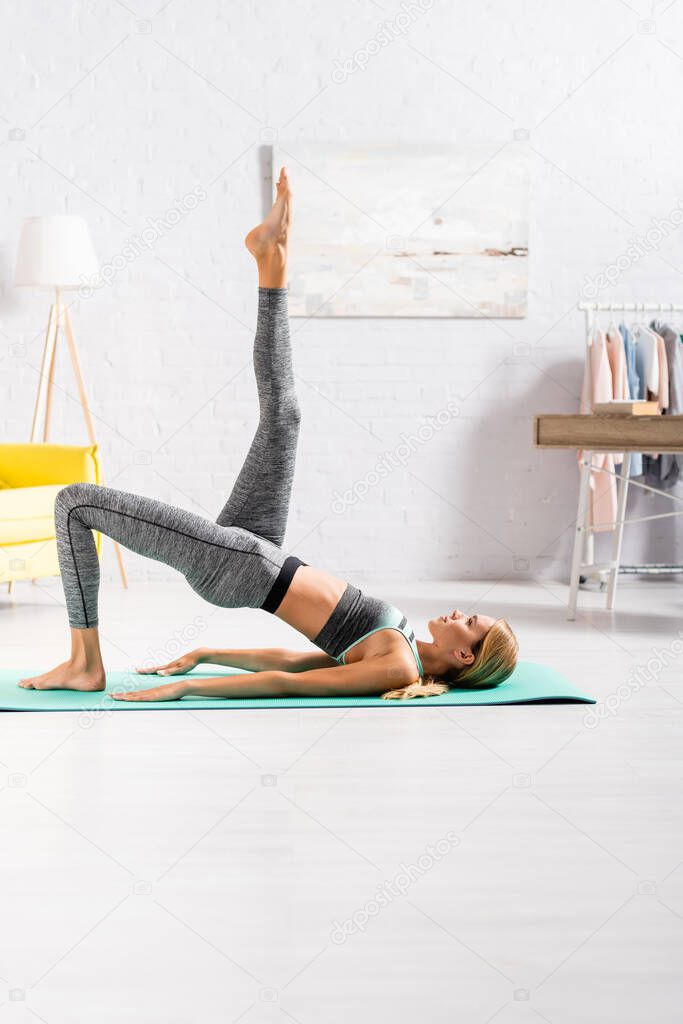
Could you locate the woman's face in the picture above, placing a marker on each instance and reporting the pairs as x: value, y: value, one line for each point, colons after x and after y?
x: 458, y: 634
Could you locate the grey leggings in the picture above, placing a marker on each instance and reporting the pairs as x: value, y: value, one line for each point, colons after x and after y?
x: 233, y: 562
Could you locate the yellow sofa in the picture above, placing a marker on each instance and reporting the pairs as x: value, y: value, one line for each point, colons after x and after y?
x: 30, y: 477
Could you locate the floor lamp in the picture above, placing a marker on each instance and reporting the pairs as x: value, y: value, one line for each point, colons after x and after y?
x: 57, y: 253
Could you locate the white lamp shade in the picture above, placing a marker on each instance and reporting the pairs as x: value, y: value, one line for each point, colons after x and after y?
x: 55, y: 252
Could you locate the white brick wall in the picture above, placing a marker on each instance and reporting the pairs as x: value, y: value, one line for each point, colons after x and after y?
x: 102, y: 114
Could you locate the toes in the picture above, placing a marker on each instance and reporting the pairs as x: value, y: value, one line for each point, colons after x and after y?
x: 31, y: 682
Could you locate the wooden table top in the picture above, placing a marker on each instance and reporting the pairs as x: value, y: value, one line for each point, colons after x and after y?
x: 609, y: 433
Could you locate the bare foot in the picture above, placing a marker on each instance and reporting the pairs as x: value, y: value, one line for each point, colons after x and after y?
x: 267, y: 242
x: 67, y: 676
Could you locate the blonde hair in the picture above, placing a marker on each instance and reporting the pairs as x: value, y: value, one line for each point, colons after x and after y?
x: 494, y: 659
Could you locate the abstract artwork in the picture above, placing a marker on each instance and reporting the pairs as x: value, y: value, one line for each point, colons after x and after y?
x: 408, y: 230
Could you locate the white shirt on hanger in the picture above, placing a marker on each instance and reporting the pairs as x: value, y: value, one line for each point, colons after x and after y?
x: 647, y: 339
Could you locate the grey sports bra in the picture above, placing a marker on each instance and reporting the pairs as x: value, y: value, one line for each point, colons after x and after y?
x: 357, y: 617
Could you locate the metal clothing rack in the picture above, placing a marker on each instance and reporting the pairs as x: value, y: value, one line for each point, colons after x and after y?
x: 590, y: 309
x: 626, y: 307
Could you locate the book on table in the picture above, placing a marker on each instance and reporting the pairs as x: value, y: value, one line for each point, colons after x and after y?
x: 626, y: 407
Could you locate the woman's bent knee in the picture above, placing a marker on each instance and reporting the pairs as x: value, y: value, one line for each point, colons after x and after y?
x: 72, y: 495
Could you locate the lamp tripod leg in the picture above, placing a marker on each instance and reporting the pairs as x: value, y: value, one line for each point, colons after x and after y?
x: 46, y: 367
x: 83, y: 397
x: 78, y: 374
x: 51, y: 380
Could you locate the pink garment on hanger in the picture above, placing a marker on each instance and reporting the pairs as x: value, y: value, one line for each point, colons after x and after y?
x: 617, y: 362
x: 598, y: 387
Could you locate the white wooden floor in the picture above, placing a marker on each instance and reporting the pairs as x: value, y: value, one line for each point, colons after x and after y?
x: 511, y: 864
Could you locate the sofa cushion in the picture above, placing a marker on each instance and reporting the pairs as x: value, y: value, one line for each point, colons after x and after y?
x: 31, y: 465
x: 27, y: 513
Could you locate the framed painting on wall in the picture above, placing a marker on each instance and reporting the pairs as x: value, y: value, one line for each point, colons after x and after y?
x: 408, y: 230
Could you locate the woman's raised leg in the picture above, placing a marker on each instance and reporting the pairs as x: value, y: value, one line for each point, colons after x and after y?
x: 259, y: 501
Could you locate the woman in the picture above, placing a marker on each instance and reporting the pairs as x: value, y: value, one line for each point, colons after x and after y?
x: 366, y: 646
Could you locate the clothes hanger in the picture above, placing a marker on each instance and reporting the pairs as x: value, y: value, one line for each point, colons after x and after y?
x: 658, y: 322
x: 675, y: 322
x: 643, y: 325
x: 670, y: 322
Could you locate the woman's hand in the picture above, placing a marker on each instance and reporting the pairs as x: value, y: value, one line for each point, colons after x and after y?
x: 169, y: 691
x: 185, y: 663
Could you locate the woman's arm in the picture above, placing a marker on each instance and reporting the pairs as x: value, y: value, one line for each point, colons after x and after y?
x: 362, y: 679
x: 251, y: 660
x: 270, y: 659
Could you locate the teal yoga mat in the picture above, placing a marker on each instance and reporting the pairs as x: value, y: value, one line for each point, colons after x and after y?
x: 530, y: 683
